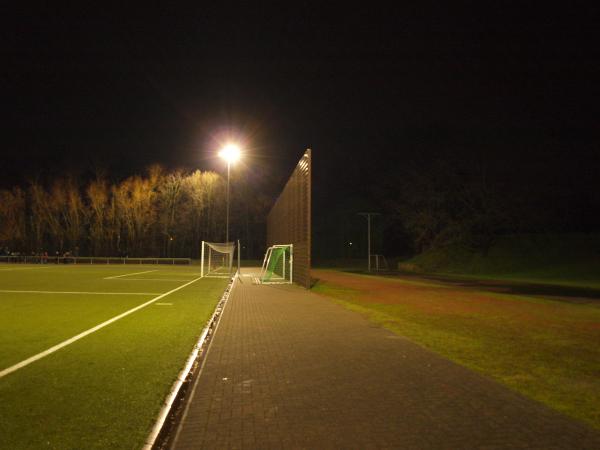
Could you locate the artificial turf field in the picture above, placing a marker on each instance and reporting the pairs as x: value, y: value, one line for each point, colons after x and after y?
x: 105, y: 389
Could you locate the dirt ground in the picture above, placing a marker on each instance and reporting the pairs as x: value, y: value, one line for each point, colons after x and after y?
x: 445, y: 298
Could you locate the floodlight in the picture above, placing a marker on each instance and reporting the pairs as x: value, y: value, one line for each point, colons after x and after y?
x: 230, y: 153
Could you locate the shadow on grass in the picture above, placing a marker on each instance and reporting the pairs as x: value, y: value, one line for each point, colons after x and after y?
x: 571, y: 294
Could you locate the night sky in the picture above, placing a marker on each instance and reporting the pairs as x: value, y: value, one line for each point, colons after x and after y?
x: 370, y: 90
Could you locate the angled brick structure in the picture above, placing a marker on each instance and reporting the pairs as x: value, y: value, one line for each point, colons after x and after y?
x: 289, y: 221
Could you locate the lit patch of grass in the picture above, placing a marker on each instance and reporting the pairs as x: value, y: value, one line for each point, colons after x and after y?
x: 560, y: 259
x: 336, y: 291
x: 544, y: 349
x: 550, y: 277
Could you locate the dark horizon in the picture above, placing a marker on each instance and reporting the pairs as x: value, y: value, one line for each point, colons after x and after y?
x: 503, y: 90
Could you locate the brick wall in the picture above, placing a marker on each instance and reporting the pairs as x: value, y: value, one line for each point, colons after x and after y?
x: 289, y: 221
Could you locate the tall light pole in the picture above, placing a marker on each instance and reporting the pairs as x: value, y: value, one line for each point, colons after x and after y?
x: 368, y: 216
x: 230, y: 153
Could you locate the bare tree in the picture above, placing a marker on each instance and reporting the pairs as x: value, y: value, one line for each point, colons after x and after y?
x: 169, y: 202
x: 12, y: 218
x: 73, y: 214
x: 135, y: 197
x: 98, y: 215
x: 38, y: 222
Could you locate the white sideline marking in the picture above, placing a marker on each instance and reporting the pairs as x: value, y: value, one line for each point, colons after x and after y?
x: 163, y: 304
x: 69, y: 341
x: 153, y: 279
x: 77, y: 292
x: 127, y: 274
x: 22, y: 268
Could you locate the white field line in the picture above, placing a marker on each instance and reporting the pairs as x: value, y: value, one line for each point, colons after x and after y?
x: 23, y: 268
x: 153, y: 279
x: 128, y: 274
x: 63, y: 344
x: 7, y: 291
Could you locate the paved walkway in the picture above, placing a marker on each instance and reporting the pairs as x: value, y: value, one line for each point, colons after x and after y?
x: 290, y: 369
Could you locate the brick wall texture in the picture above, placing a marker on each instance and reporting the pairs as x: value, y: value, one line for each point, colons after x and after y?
x: 289, y: 221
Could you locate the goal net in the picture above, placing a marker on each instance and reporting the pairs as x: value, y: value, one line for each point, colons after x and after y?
x: 378, y: 263
x: 217, y: 259
x: 278, y: 265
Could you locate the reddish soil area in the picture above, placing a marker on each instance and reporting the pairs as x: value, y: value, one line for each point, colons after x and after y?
x: 446, y: 299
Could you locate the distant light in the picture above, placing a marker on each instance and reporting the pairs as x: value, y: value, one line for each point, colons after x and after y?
x: 350, y: 243
x: 230, y: 153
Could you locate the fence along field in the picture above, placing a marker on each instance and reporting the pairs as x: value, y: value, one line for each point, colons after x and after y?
x: 89, y: 352
x: 36, y: 259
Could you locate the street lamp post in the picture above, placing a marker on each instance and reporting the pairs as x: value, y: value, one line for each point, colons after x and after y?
x: 227, y: 223
x: 368, y: 216
x: 230, y: 153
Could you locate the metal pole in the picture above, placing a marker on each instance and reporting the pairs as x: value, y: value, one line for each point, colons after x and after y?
x: 368, y: 216
x: 227, y: 227
x: 369, y: 240
x: 239, y: 270
x: 291, y: 263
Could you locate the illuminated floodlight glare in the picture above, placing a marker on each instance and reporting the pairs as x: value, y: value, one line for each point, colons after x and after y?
x: 230, y: 153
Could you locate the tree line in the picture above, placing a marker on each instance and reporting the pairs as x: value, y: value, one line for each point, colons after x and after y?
x: 447, y: 203
x: 161, y: 213
x: 426, y: 204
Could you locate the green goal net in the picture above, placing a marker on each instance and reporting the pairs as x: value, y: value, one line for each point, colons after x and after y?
x: 278, y: 264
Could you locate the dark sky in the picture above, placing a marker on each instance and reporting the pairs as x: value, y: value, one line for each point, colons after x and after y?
x: 369, y: 89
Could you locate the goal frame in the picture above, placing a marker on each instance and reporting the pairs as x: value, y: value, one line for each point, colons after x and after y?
x: 205, y: 272
x: 267, y: 260
x: 378, y: 262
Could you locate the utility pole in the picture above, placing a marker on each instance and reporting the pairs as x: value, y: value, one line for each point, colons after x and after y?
x: 368, y: 216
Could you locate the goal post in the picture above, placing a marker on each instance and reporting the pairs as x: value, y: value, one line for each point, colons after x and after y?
x: 278, y: 265
x: 216, y: 259
x: 378, y: 263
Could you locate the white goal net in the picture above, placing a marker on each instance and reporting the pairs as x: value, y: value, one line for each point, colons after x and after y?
x: 217, y: 259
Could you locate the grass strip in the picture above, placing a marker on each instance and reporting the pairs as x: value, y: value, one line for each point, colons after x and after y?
x: 543, y: 349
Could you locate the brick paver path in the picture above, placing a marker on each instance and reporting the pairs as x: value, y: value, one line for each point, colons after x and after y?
x: 290, y: 369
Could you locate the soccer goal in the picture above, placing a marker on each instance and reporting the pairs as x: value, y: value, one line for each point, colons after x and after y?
x: 278, y: 265
x: 217, y: 259
x: 378, y: 263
